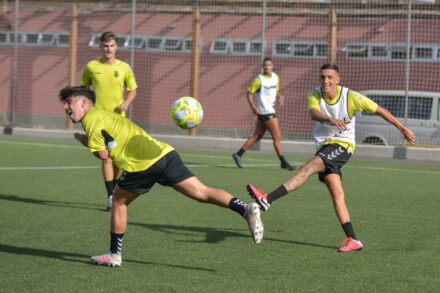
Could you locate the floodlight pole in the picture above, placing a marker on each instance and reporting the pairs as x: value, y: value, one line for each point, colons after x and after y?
x: 195, y: 64
x: 9, y: 128
x: 332, y: 37
x: 73, y: 51
x: 133, y: 33
x: 408, y: 58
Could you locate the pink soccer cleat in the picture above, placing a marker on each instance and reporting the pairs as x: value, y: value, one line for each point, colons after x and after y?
x: 351, y: 245
x: 260, y: 197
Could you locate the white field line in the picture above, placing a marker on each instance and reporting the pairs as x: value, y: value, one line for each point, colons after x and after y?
x: 269, y: 163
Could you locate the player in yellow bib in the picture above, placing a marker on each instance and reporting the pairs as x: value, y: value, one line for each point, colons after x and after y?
x: 333, y: 109
x: 144, y: 161
x: 110, y: 78
x: 262, y: 95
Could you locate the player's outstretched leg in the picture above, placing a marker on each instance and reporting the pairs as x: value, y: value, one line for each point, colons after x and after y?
x: 253, y: 219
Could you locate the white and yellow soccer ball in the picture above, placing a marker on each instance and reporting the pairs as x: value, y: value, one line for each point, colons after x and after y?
x: 186, y: 112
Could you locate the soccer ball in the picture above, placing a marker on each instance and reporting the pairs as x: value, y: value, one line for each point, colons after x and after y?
x: 186, y: 112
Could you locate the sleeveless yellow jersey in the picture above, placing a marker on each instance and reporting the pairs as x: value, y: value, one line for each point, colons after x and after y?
x: 108, y: 81
x: 356, y: 102
x: 132, y: 150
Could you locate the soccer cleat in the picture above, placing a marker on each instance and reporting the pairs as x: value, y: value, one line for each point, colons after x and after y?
x: 351, y: 245
x: 237, y: 160
x: 108, y: 259
x: 287, y: 166
x: 260, y: 197
x: 254, y: 221
x: 109, y: 202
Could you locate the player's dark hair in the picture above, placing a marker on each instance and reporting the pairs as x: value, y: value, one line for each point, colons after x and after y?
x: 77, y: 91
x: 330, y: 66
x: 267, y: 59
x: 107, y: 36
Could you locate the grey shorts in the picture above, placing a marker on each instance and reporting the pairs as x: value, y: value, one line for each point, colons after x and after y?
x: 168, y: 171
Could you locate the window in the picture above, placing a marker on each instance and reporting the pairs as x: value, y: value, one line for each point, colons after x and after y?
x: 154, y: 43
x: 62, y: 40
x: 300, y: 49
x: 356, y: 50
x: 424, y: 53
x: 149, y: 43
x: 398, y: 52
x: 236, y: 47
x: 419, y: 107
x: 378, y: 51
x: 4, y: 37
x: 173, y: 44
x: 394, y: 104
x: 34, y: 38
x: 392, y: 51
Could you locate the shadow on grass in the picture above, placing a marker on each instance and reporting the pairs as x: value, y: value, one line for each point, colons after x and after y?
x: 66, y: 204
x: 214, y: 235
x: 82, y: 258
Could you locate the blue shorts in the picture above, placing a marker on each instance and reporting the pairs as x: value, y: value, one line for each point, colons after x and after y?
x: 168, y: 171
x: 334, y: 156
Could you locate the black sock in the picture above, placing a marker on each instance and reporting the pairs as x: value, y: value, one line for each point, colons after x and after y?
x: 116, y: 242
x: 110, y: 186
x: 240, y: 152
x: 238, y: 206
x: 348, y: 230
x: 283, y: 160
x: 276, y: 194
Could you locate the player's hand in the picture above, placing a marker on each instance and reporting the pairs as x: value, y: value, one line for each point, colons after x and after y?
x: 123, y: 107
x: 340, y: 124
x: 281, y: 101
x: 409, y: 135
x: 81, y: 137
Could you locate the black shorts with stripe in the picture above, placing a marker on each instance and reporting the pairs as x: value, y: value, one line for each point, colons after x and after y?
x: 266, y: 117
x: 334, y: 156
x: 168, y: 171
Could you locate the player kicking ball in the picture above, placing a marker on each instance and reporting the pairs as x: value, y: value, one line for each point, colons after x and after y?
x: 144, y: 161
x: 333, y: 109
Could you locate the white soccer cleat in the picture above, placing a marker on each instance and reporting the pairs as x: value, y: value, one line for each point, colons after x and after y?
x: 110, y: 202
x: 254, y: 221
x: 108, y: 259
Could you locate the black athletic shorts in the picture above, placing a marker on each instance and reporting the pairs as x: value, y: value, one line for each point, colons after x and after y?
x: 266, y: 117
x: 334, y: 156
x: 167, y: 171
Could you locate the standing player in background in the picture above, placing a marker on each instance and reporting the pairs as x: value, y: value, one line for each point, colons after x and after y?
x: 109, y: 78
x: 266, y: 88
x: 144, y: 161
x: 333, y: 109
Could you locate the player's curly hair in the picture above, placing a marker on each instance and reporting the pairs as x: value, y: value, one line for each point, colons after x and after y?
x: 76, y: 91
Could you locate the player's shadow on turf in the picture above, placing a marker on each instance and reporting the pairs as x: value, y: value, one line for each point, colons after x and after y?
x: 82, y: 258
x: 66, y: 204
x: 214, y: 235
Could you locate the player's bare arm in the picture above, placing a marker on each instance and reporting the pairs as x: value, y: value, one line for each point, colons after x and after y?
x: 320, y: 117
x: 407, y: 133
x: 280, y: 99
x: 251, y: 101
x: 128, y: 100
x: 82, y: 138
